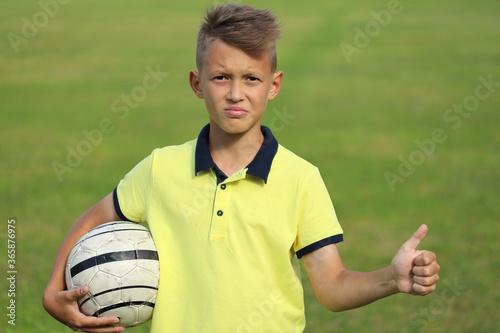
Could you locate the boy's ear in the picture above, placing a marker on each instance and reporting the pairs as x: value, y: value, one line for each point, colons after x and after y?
x: 195, y: 82
x: 275, y: 85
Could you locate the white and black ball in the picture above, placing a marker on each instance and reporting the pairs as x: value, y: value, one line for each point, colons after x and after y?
x: 119, y: 263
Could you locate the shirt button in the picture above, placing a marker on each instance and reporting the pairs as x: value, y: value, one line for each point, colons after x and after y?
x: 223, y: 186
x: 219, y: 213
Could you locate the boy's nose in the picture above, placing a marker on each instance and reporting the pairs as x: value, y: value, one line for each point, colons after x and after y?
x: 235, y: 92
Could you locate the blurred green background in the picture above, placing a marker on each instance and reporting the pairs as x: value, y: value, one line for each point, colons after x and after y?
x: 367, y: 85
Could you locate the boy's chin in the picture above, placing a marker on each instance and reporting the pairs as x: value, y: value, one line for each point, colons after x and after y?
x: 237, y: 127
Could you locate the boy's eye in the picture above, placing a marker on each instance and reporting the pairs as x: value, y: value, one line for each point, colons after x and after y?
x: 220, y: 78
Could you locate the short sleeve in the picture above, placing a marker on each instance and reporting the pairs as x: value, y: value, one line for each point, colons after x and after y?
x: 131, y: 194
x: 318, y: 225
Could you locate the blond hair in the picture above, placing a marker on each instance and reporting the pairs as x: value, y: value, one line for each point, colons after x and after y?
x: 254, y: 31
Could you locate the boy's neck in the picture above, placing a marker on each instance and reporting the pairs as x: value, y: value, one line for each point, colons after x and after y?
x: 233, y: 152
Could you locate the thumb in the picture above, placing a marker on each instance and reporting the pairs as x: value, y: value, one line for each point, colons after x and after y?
x: 77, y: 293
x: 416, y: 238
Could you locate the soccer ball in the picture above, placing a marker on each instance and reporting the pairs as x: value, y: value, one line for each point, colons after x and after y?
x: 119, y: 263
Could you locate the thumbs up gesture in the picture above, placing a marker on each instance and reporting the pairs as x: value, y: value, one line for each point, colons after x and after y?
x: 415, y: 271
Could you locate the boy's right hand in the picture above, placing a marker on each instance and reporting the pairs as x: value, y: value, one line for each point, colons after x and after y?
x: 63, y: 306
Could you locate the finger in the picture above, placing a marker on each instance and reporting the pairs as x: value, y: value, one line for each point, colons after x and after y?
x: 77, y: 293
x: 425, y: 258
x: 83, y: 321
x: 95, y: 324
x: 426, y: 281
x: 91, y: 321
x: 423, y: 289
x: 427, y: 270
x: 424, y: 284
x: 100, y: 330
x: 416, y: 238
x: 108, y: 329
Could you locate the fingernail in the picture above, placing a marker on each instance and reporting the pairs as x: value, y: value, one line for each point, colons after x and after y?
x: 82, y: 290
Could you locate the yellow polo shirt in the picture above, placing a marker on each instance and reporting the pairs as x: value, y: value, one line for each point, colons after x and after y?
x: 229, y: 247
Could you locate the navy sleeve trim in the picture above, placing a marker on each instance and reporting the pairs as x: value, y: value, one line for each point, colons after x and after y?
x: 117, y: 206
x: 318, y: 245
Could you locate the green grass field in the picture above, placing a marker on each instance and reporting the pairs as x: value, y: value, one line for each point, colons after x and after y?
x: 403, y: 125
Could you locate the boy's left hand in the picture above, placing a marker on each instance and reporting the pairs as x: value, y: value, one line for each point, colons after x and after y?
x: 415, y: 271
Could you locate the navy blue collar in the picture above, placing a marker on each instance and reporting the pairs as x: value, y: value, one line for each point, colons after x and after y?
x: 261, y: 164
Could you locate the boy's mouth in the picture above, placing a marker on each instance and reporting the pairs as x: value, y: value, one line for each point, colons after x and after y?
x: 235, y: 112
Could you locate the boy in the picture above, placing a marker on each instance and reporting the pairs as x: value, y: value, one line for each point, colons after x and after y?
x: 233, y: 211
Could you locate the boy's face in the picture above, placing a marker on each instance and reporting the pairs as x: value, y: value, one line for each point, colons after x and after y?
x: 235, y: 87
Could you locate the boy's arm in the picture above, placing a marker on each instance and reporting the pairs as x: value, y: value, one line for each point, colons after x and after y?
x: 61, y: 303
x: 339, y: 289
